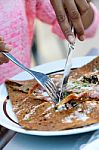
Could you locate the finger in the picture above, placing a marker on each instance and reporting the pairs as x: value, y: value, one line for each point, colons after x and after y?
x: 63, y: 20
x: 88, y: 1
x: 1, y: 63
x: 82, y: 5
x: 2, y: 46
x: 3, y: 59
x: 75, y: 18
x: 1, y: 38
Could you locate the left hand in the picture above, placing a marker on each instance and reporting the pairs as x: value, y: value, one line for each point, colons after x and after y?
x: 69, y: 12
x: 3, y: 47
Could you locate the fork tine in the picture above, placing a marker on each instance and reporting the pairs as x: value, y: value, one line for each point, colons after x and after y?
x: 50, y: 89
x: 51, y: 84
x: 50, y: 92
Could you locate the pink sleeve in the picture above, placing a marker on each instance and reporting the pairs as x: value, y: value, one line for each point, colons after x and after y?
x: 46, y: 14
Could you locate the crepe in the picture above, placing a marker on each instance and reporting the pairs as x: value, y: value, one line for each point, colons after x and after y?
x: 35, y: 110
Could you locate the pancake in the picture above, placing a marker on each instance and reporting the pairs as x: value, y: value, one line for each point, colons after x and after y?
x: 35, y: 110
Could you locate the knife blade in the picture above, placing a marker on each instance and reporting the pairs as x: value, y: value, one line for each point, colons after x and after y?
x: 67, y: 68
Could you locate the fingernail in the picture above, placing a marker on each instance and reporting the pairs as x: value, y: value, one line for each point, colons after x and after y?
x: 71, y: 39
x: 82, y: 37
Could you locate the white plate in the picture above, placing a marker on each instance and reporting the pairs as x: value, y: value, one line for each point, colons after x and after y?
x: 7, y: 117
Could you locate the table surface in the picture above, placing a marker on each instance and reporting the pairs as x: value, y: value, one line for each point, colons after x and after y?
x: 32, y: 142
x: 29, y: 142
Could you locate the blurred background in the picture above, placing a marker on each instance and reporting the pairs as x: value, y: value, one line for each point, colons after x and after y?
x: 49, y: 47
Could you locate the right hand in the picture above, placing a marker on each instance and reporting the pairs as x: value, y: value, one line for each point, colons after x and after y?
x: 3, y: 47
x: 68, y: 13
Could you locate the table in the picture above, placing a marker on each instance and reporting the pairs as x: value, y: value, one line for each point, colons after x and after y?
x: 29, y: 142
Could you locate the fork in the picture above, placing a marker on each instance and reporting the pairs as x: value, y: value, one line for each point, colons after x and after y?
x: 41, y: 78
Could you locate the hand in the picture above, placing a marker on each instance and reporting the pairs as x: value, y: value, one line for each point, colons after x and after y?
x: 3, y: 47
x: 68, y: 12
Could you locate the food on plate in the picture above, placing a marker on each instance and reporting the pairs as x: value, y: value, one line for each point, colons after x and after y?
x: 80, y: 105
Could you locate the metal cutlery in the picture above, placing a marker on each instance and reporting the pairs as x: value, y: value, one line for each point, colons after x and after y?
x: 41, y: 78
x: 67, y: 68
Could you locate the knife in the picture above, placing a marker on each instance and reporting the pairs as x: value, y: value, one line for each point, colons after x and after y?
x: 67, y: 68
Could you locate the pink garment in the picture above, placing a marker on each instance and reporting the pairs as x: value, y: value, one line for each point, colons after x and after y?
x: 17, y: 27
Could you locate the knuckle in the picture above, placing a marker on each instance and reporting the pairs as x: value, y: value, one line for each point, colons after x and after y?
x: 85, y: 9
x: 61, y: 17
x: 67, y: 31
x: 74, y: 15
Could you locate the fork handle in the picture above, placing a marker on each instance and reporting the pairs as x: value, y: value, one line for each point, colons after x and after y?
x: 14, y: 60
